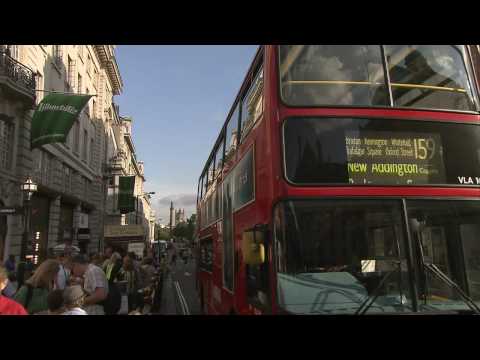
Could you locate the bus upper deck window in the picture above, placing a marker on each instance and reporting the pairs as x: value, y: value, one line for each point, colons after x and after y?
x: 429, y: 76
x: 319, y: 75
x: 421, y: 76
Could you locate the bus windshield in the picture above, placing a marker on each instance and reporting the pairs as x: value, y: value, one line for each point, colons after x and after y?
x: 331, y: 255
x: 334, y: 255
x: 419, y: 76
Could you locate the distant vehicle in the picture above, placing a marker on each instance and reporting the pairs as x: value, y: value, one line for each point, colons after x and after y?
x: 345, y: 180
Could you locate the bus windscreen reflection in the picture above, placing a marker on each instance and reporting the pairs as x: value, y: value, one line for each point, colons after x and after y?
x: 348, y: 256
x: 335, y: 256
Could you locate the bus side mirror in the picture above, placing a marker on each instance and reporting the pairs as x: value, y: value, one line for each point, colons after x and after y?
x: 253, y: 248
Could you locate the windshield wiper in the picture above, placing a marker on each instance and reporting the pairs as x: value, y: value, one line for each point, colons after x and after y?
x: 443, y: 277
x: 368, y: 302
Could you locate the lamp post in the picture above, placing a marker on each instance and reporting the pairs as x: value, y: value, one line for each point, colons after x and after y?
x: 28, y: 188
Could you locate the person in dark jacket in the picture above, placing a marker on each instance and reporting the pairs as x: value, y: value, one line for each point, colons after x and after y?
x: 131, y: 275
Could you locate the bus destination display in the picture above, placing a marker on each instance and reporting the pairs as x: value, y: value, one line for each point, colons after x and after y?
x: 394, y: 158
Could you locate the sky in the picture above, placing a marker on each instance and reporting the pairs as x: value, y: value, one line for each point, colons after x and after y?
x: 178, y: 98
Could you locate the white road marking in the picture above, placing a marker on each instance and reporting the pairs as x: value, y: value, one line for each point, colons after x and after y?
x: 183, y: 302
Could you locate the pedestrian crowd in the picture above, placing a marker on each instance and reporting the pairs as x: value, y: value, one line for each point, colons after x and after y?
x: 72, y: 284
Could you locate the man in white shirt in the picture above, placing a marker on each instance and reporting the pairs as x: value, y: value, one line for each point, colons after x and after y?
x: 63, y: 275
x: 94, y: 283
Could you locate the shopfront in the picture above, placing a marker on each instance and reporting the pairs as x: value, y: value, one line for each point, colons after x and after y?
x: 120, y: 236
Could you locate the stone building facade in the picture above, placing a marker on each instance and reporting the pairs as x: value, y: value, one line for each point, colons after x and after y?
x: 72, y: 178
x: 123, y: 162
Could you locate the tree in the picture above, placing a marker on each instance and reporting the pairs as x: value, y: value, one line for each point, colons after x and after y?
x: 186, y: 230
x: 191, y: 224
x: 180, y: 231
x: 162, y: 234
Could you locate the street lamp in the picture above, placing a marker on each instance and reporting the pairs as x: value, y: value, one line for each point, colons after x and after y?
x: 28, y: 188
x: 137, y: 196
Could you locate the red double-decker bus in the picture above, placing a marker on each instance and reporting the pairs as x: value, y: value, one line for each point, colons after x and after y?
x: 345, y: 180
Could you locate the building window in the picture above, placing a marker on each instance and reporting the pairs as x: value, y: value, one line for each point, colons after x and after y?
x: 42, y: 166
x: 7, y: 129
x: 94, y: 109
x: 89, y: 64
x: 79, y: 84
x: 37, y: 162
x: 88, y: 184
x: 67, y: 179
x: 85, y: 145
x: 71, y: 73
x: 76, y: 137
x: 87, y: 107
x: 90, y: 160
x: 13, y: 51
x: 57, y: 54
x: 69, y: 142
x: 42, y: 162
x: 46, y: 167
x: 39, y: 86
x: 95, y: 79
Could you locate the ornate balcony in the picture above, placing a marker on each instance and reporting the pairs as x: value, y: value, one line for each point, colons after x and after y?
x: 16, y: 77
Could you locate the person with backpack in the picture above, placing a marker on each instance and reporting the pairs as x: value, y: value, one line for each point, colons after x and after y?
x: 94, y: 283
x: 34, y: 293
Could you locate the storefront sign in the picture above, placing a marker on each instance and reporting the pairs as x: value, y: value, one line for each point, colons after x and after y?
x: 123, y: 230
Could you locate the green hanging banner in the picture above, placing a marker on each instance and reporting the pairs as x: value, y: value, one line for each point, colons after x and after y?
x: 54, y: 118
x: 126, y: 200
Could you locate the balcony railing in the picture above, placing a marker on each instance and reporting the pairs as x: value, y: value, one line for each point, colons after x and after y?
x: 16, y: 71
